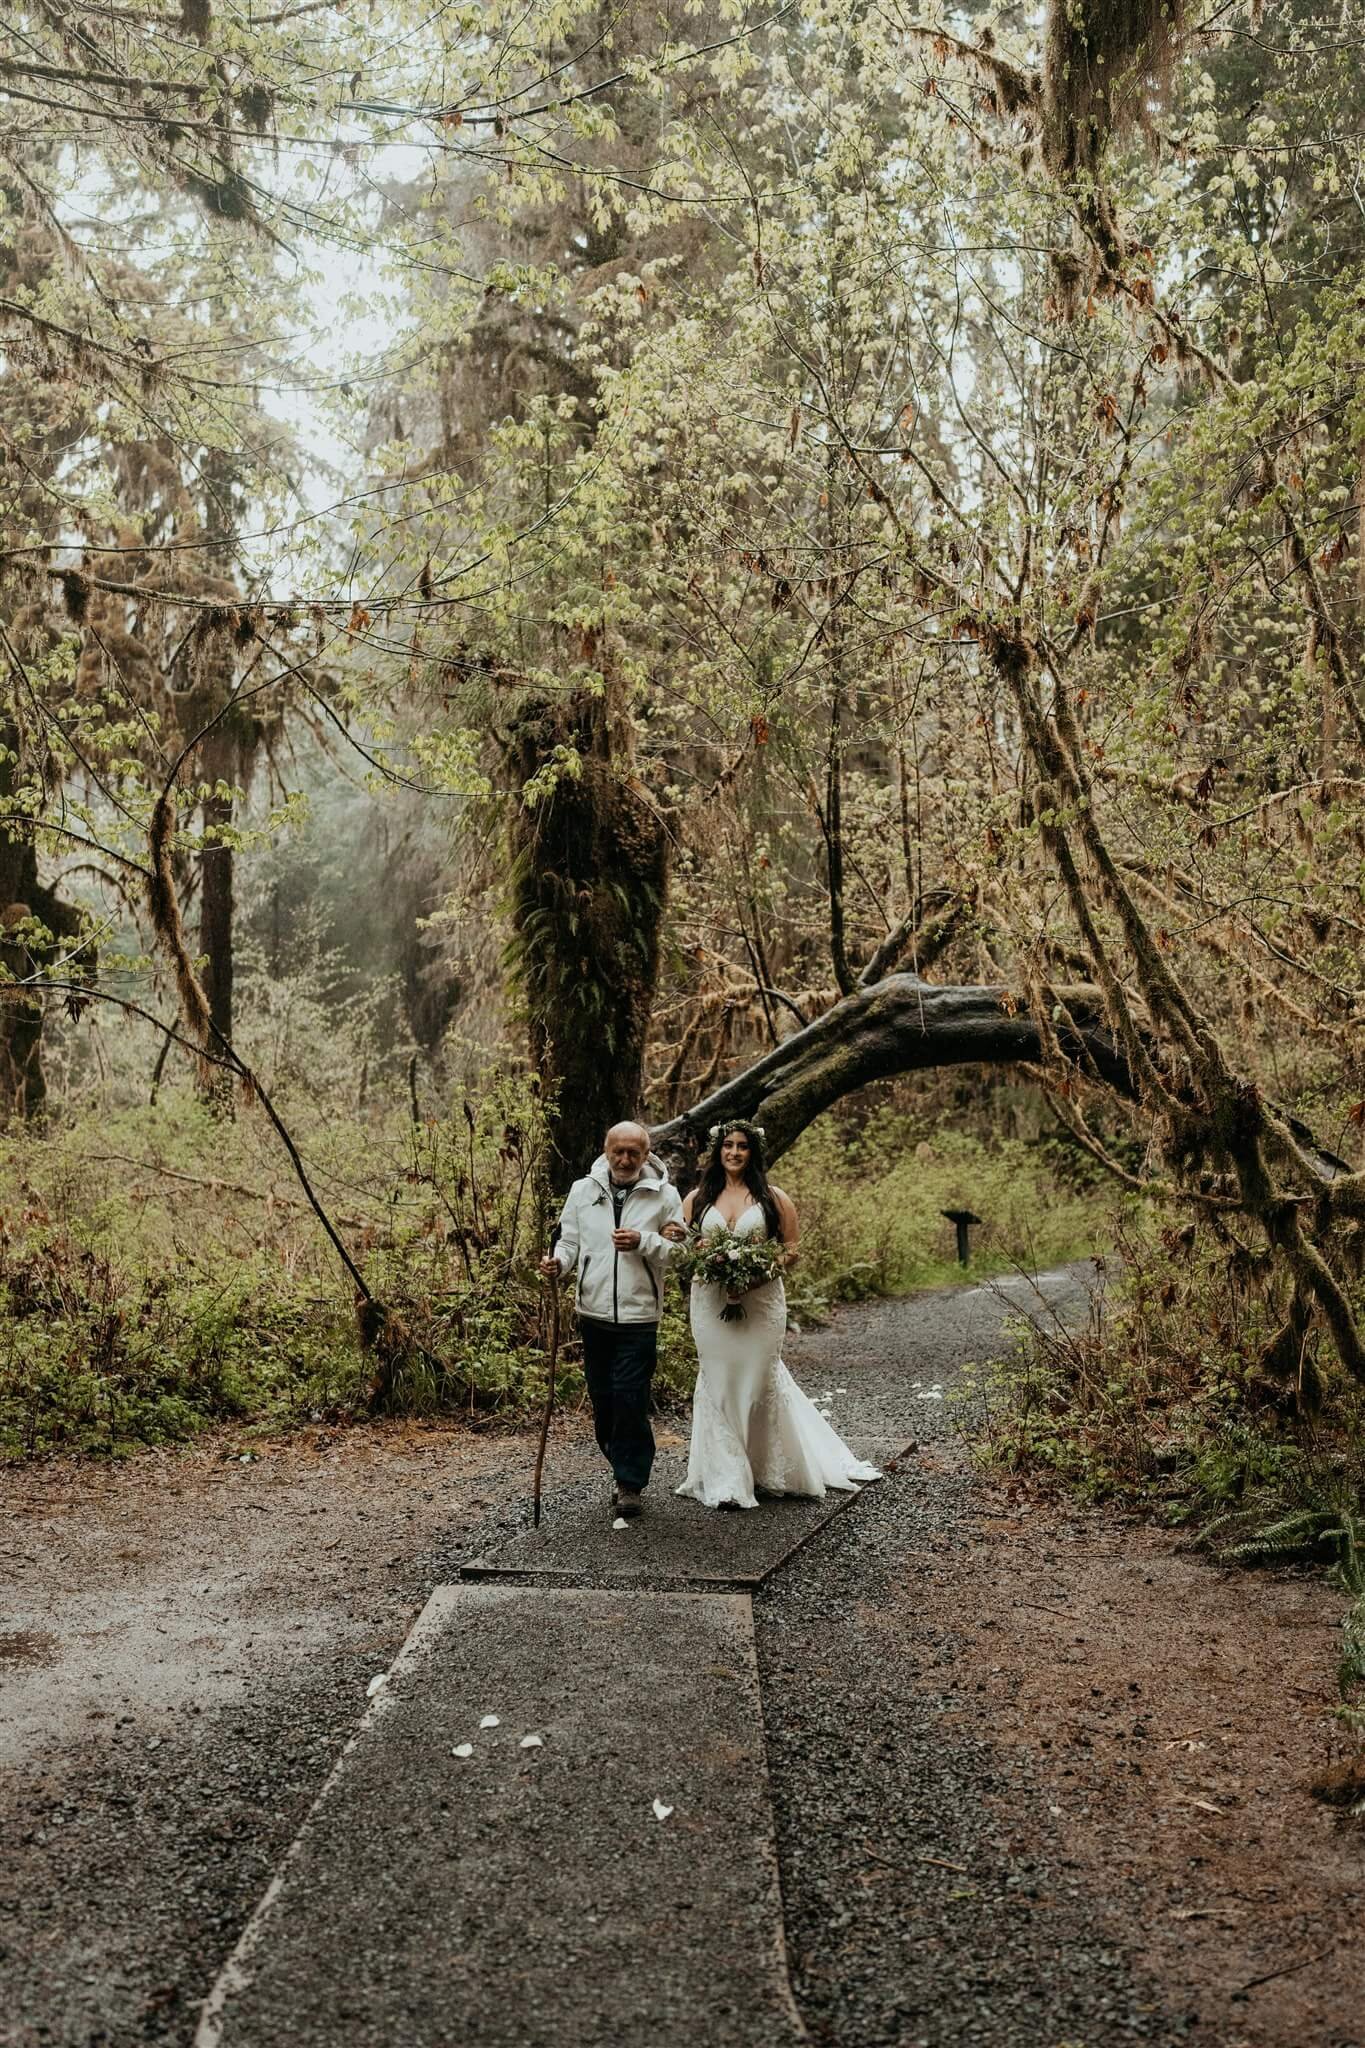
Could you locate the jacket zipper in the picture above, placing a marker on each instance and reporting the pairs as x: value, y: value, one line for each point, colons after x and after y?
x: 616, y: 1264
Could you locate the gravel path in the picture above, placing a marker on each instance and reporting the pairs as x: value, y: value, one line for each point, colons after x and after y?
x: 913, y: 1917
x: 201, y: 1633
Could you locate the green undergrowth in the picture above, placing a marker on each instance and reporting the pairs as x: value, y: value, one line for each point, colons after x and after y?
x: 872, y: 1202
x: 161, y: 1272
x: 1178, y: 1401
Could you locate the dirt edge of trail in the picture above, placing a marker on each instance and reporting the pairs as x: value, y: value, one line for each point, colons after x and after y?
x: 1176, y: 1714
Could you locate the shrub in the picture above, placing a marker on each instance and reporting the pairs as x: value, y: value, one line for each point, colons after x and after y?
x: 871, y: 1204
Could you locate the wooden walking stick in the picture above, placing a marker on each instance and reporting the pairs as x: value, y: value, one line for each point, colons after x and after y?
x: 553, y: 1281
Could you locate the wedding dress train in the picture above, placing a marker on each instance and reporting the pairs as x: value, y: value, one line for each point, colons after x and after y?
x: 751, y: 1424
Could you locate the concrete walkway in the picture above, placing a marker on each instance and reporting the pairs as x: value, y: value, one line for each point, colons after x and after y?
x: 676, y: 1542
x: 534, y: 1895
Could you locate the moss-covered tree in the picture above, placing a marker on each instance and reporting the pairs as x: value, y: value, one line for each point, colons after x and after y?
x: 589, y: 875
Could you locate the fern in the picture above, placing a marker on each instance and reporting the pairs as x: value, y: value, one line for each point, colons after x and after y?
x: 1351, y: 1669
x: 1305, y: 1535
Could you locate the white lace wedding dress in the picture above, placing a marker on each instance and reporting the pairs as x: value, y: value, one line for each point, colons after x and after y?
x: 751, y: 1424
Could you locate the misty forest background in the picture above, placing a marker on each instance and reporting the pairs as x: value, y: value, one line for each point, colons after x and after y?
x: 802, y: 560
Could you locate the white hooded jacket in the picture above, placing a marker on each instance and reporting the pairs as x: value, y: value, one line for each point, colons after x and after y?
x: 618, y: 1287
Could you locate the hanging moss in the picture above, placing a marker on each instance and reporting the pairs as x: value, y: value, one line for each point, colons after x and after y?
x: 589, y: 876
x: 1107, y: 64
x: 1107, y: 67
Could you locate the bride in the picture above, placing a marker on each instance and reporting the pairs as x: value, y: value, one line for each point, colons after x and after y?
x: 752, y: 1427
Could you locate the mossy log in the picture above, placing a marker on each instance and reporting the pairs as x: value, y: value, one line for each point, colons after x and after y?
x: 902, y: 1025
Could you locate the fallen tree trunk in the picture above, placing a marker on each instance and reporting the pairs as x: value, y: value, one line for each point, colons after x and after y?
x: 899, y: 1026
x: 903, y: 1025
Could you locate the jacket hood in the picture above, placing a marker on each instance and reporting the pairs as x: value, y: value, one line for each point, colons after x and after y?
x: 653, y: 1173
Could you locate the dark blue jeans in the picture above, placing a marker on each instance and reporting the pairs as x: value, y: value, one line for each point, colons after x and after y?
x: 618, y: 1364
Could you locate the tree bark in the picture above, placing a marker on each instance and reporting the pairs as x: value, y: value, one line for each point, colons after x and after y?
x: 215, y: 916
x: 901, y: 1026
x: 588, y: 885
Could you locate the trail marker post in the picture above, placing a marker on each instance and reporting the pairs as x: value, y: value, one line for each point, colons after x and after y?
x: 964, y: 1220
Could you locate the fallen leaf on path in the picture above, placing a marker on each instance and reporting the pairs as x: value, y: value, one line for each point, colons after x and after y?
x: 661, y: 1812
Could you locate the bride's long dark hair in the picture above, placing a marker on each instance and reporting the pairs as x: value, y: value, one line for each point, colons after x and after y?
x: 755, y: 1178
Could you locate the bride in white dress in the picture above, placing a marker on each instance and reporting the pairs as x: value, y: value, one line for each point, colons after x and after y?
x: 753, y: 1430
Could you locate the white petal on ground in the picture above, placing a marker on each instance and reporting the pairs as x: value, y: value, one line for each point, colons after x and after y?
x: 463, y: 1749
x: 490, y: 1721
x: 620, y: 1523
x: 661, y: 1812
x: 532, y: 1742
x: 376, y: 1684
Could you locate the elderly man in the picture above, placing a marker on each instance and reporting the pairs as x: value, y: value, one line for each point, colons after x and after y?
x: 615, y: 1233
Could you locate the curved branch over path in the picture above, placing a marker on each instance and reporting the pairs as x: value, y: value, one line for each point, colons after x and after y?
x: 903, y: 1025
x: 898, y: 1026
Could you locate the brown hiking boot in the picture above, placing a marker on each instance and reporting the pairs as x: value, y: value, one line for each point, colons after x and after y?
x: 627, y: 1502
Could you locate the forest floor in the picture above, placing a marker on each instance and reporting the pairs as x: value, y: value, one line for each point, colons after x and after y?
x: 1040, y: 1775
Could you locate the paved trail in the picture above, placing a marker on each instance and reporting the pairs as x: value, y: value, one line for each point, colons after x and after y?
x: 526, y: 1896
x: 522, y: 1897
x: 811, y: 1691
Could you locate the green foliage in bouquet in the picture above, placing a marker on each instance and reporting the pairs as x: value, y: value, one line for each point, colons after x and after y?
x: 721, y: 1258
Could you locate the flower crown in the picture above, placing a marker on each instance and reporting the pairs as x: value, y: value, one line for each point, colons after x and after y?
x: 736, y: 1123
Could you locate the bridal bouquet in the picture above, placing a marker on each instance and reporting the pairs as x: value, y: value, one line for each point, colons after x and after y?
x: 720, y: 1258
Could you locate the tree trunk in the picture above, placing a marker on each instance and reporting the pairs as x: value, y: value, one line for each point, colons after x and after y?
x: 589, y: 877
x: 23, y: 1089
x: 215, y: 915
x: 901, y: 1026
